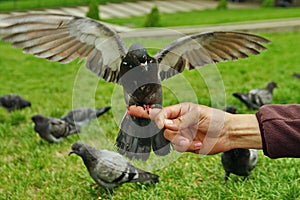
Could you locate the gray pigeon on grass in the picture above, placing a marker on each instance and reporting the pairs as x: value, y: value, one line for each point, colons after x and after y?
x: 256, y: 98
x: 13, y: 102
x: 110, y: 169
x: 52, y: 129
x: 238, y: 161
x: 83, y: 116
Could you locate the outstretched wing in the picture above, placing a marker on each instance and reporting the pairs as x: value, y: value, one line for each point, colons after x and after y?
x: 206, y: 48
x: 64, y: 38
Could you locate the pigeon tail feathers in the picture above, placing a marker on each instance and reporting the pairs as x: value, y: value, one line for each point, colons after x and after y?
x: 133, y: 147
x: 243, y: 98
x: 146, y: 177
x: 101, y: 111
x: 160, y: 145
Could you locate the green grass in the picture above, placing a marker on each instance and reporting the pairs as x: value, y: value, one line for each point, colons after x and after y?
x: 33, y: 169
x: 211, y: 16
x: 13, y: 5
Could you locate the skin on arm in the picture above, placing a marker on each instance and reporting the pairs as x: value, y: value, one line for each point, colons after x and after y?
x: 201, y: 129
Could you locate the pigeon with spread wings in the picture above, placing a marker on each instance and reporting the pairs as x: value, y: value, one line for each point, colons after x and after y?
x: 63, y: 38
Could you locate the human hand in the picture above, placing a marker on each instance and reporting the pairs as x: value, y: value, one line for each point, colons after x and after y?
x: 190, y: 127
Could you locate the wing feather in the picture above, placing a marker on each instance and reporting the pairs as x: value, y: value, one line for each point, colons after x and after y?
x: 63, y: 38
x: 206, y: 48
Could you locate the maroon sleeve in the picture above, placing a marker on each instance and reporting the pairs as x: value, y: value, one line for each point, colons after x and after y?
x: 280, y: 130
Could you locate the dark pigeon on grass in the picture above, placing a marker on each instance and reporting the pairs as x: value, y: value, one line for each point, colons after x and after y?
x: 13, y: 102
x: 109, y: 169
x: 52, y: 129
x: 296, y: 75
x: 238, y: 161
x: 64, y: 38
x: 256, y: 98
x: 83, y: 116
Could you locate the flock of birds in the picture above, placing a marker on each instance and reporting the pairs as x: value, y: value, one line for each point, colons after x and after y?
x: 63, y: 38
x: 55, y: 130
x: 108, y: 169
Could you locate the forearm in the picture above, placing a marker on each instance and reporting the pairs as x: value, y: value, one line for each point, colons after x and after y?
x: 280, y: 130
x: 243, y: 132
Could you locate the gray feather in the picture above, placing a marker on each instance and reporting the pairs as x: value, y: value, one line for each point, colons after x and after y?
x: 51, y: 36
x: 214, y: 47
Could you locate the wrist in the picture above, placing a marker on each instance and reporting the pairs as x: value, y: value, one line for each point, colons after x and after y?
x: 243, y: 132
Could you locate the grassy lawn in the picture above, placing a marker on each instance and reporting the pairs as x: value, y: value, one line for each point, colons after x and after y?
x: 33, y: 169
x: 219, y: 16
x: 8, y: 5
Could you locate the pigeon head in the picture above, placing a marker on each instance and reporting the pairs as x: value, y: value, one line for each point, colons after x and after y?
x: 38, y: 118
x: 25, y: 104
x: 138, y: 52
x: 78, y: 148
x: 271, y: 85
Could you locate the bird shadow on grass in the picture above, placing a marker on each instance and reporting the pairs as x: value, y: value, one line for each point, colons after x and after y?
x: 109, y: 193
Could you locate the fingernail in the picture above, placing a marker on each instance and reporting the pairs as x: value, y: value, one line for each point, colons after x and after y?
x: 198, y: 145
x: 184, y: 142
x: 169, y: 122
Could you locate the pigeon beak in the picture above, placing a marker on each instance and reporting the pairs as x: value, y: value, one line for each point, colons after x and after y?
x: 144, y: 64
x: 71, y: 152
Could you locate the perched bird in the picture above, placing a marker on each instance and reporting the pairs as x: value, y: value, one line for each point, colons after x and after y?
x: 52, y: 129
x: 256, y: 98
x: 238, y: 161
x: 110, y: 169
x: 13, y: 102
x: 83, y: 116
x: 63, y: 38
x: 296, y: 75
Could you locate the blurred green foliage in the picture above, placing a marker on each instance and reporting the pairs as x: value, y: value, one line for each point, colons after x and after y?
x: 153, y: 18
x: 267, y: 3
x: 222, y: 5
x: 93, y: 11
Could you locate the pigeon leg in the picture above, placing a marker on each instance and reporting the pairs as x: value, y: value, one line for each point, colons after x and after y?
x: 226, y: 177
